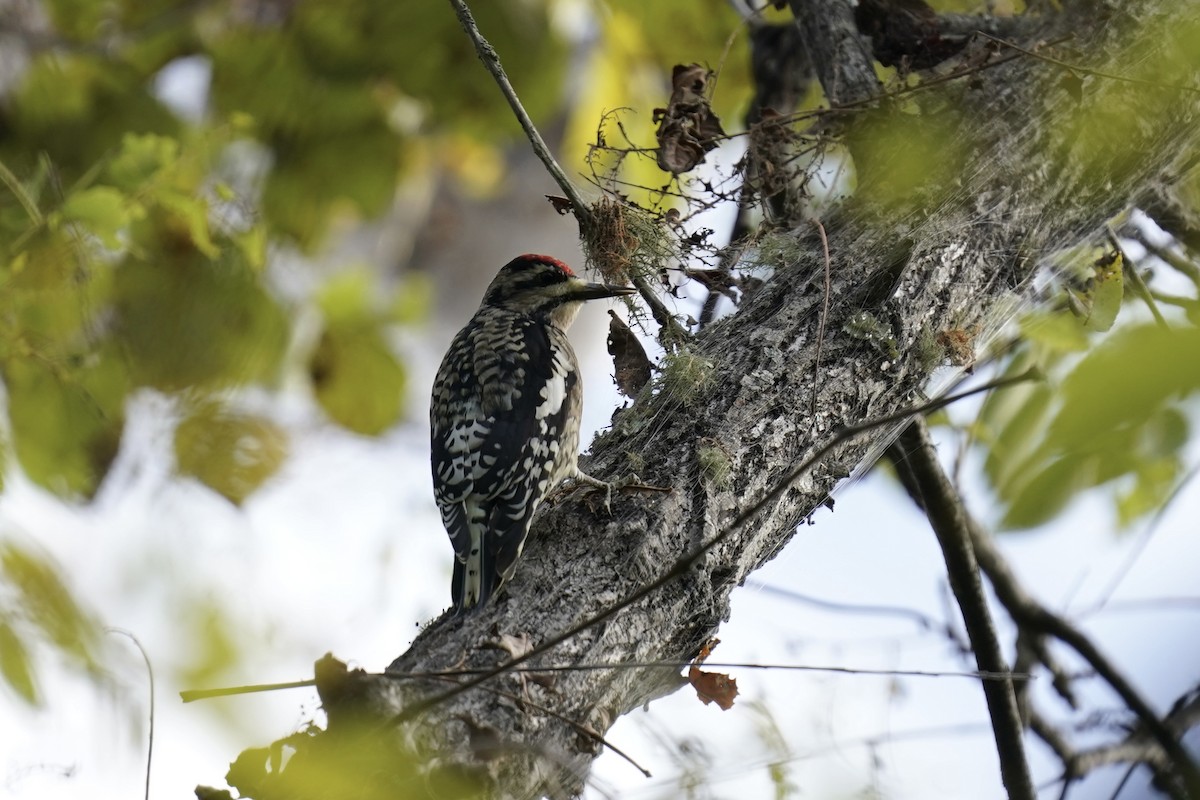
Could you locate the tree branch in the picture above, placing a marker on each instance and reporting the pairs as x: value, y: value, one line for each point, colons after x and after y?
x: 491, y: 61
x: 843, y: 65
x: 1036, y: 620
x: 948, y: 518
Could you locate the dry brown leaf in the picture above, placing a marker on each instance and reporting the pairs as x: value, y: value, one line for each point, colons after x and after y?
x: 687, y: 127
x: 712, y: 687
x: 631, y: 366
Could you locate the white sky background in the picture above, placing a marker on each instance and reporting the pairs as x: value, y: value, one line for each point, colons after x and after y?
x: 344, y: 552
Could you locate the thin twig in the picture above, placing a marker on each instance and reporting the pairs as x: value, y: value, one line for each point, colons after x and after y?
x: 491, y: 61
x: 925, y: 621
x: 1112, y: 76
x: 150, y: 673
x: 943, y: 506
x: 824, y: 318
x: 580, y: 728
x: 191, y: 695
x: 1170, y: 257
x: 14, y: 185
x: 678, y: 665
x: 1037, y: 620
x: 671, y: 334
x: 684, y: 564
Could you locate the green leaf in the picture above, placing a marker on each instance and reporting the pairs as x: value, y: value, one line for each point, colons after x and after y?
x: 309, y: 180
x: 102, y: 210
x: 1012, y: 423
x: 15, y: 666
x: 192, y: 212
x: 252, y: 244
x: 1105, y: 291
x: 1125, y: 380
x: 412, y: 300
x: 141, y: 158
x: 187, y: 321
x: 1114, y: 417
x: 1153, y: 484
x: 357, y: 379
x: 1056, y: 330
x: 347, y: 298
x: 66, y: 418
x: 45, y: 601
x: 1045, y: 492
x: 230, y: 452
x: 77, y: 107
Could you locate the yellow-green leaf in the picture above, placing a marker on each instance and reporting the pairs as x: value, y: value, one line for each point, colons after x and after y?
x: 357, y: 379
x: 413, y: 300
x: 46, y: 602
x: 1047, y: 491
x: 66, y: 419
x: 229, y: 452
x: 1012, y: 423
x: 142, y: 156
x: 346, y: 298
x: 1056, y: 330
x: 192, y: 213
x: 1104, y: 293
x: 15, y: 666
x: 1126, y: 380
x: 187, y: 321
x: 102, y: 210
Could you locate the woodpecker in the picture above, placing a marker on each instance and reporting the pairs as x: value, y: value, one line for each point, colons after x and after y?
x: 504, y: 418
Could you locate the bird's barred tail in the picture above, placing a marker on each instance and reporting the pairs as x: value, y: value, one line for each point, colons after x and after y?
x: 473, y: 582
x: 475, y: 578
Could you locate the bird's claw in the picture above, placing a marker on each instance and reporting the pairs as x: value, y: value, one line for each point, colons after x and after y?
x: 630, y: 482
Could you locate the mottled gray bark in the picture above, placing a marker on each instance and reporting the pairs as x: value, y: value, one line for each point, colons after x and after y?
x: 947, y: 255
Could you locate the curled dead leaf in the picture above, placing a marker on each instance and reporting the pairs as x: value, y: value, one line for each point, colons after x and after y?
x: 631, y: 366
x: 687, y: 127
x: 560, y: 204
x: 712, y: 687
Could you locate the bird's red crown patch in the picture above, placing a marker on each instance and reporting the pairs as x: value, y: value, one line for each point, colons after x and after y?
x: 547, y: 260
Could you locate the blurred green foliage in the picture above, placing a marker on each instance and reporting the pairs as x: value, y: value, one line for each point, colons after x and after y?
x: 1114, y: 415
x: 361, y: 761
x: 126, y: 258
x: 229, y: 451
x: 37, y: 608
x: 353, y: 352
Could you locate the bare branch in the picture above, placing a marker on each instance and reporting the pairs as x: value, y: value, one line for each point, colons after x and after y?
x: 1036, y: 620
x: 946, y: 514
x: 491, y: 61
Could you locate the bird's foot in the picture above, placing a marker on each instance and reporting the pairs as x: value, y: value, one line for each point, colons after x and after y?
x: 630, y: 483
x: 517, y: 645
x: 598, y: 486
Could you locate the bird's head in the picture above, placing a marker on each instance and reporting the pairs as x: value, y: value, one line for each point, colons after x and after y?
x: 545, y: 288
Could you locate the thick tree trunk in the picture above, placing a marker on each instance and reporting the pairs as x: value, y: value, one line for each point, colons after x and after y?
x: 1025, y: 165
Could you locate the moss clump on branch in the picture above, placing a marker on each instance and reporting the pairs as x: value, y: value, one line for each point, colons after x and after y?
x: 624, y: 242
x: 714, y: 463
x: 686, y: 376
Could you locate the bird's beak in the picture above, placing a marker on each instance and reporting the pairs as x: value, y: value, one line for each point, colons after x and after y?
x: 594, y: 291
